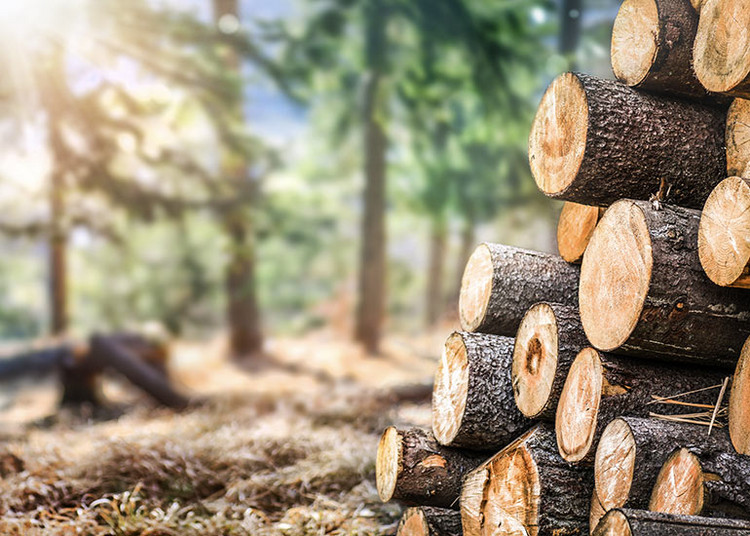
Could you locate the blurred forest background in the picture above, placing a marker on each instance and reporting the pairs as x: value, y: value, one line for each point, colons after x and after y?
x: 269, y: 167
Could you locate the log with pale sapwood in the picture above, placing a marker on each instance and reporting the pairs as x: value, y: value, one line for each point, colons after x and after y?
x: 574, y: 229
x: 429, y: 521
x: 737, y: 136
x: 500, y: 283
x: 627, y: 522
x: 643, y: 290
x: 739, y: 403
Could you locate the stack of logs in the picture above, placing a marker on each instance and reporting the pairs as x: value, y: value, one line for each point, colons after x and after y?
x: 586, y: 391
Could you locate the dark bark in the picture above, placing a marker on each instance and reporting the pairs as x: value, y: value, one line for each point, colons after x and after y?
x: 522, y: 278
x: 431, y: 474
x: 80, y: 376
x: 434, y: 295
x: 372, y: 268
x: 438, y: 521
x: 636, y: 140
x: 645, y: 523
x: 35, y: 363
x: 685, y: 317
x: 491, y: 418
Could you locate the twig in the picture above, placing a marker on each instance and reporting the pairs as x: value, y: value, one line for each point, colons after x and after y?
x: 718, y: 403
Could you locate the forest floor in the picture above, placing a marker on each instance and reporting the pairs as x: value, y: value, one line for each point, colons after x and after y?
x: 287, y: 448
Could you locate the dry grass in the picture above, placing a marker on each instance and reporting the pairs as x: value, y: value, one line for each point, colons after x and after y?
x: 294, y: 460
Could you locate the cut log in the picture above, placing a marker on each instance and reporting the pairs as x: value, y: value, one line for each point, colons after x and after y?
x: 528, y: 487
x: 601, y: 387
x: 704, y: 481
x: 596, y: 141
x: 574, y: 229
x: 626, y: 522
x: 548, y: 340
x: 472, y: 499
x: 596, y: 513
x: 633, y: 450
x: 413, y: 468
x: 737, y: 138
x: 472, y: 402
x: 430, y: 521
x: 724, y: 234
x: 644, y: 292
x: 720, y: 52
x: 739, y: 403
x: 500, y: 283
x: 652, y: 46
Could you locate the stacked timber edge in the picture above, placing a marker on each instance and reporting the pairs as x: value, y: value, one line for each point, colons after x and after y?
x: 527, y: 487
x: 595, y: 141
x: 739, y: 403
x: 644, y: 292
x: 472, y: 400
x: 430, y: 521
x: 601, y: 387
x: 413, y: 468
x: 627, y: 522
x: 500, y: 283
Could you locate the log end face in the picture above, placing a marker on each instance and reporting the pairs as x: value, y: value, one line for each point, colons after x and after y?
x: 614, y: 523
x: 614, y: 465
x: 574, y: 230
x: 635, y: 36
x: 721, y: 52
x: 615, y: 276
x: 511, y: 496
x: 558, y: 135
x: 388, y: 463
x: 739, y: 403
x: 724, y: 232
x: 413, y: 523
x: 679, y: 485
x: 476, y: 288
x: 738, y: 138
x: 535, y: 359
x: 472, y: 497
x: 451, y: 390
x: 596, y: 512
x: 578, y: 409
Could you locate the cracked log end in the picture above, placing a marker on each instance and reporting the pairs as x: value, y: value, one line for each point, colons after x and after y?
x: 635, y: 38
x: 413, y: 523
x: 388, y: 463
x: 724, y: 234
x: 450, y: 390
x: 737, y: 137
x: 739, y: 403
x: 720, y: 52
x: 613, y: 524
x: 471, y: 502
x: 679, y: 486
x: 574, y: 229
x: 558, y: 135
x: 615, y: 276
x: 535, y: 359
x: 476, y: 288
x: 578, y: 409
x: 614, y: 464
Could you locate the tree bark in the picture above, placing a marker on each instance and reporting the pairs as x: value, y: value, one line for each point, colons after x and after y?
x: 430, y: 521
x: 472, y: 403
x: 652, y: 47
x: 500, y: 283
x: 631, y: 452
x: 595, y: 141
x: 413, y: 468
x: 371, y: 298
x: 643, y: 291
x: 627, y: 522
x: 601, y: 387
x: 434, y: 296
x: 548, y: 341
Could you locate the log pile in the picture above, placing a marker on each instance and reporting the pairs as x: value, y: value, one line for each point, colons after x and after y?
x: 607, y: 390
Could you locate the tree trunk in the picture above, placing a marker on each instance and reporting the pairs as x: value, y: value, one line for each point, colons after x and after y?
x: 710, y: 479
x: 626, y: 522
x: 466, y: 246
x: 430, y: 521
x: 632, y: 451
x: 243, y: 316
x: 372, y: 268
x: 500, y: 283
x: 652, y: 47
x: 413, y: 468
x: 434, y: 296
x: 720, y: 53
x: 548, y: 341
x: 574, y: 229
x: 527, y: 486
x: 595, y: 141
x: 601, y: 387
x: 472, y: 404
x: 571, y: 12
x: 643, y: 290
